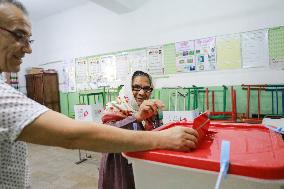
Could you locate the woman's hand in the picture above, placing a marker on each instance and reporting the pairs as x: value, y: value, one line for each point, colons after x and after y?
x: 148, y: 109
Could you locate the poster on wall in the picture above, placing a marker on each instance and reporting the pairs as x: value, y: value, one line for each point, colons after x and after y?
x: 122, y: 67
x: 137, y: 60
x: 170, y: 58
x: 255, y: 49
x: 82, y: 76
x: 228, y: 51
x: 185, y: 58
x: 276, y: 47
x: 71, y: 75
x: 69, y: 79
x: 107, y: 75
x: 155, y: 60
x: 205, y: 54
x: 94, y: 64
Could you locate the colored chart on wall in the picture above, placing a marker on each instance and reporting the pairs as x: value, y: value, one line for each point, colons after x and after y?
x: 155, y: 60
x: 205, y: 54
x: 185, y: 59
x: 228, y: 51
x: 276, y: 47
x: 255, y: 49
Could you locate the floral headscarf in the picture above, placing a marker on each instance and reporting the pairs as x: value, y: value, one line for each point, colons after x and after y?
x: 125, y: 104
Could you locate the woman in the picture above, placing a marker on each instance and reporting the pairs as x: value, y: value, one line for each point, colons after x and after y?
x: 132, y: 110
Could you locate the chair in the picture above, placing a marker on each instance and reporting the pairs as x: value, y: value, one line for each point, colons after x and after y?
x: 176, y: 95
x: 225, y: 116
x: 87, y: 98
x: 250, y: 88
x: 195, y: 91
x: 112, y: 93
x: 276, y: 89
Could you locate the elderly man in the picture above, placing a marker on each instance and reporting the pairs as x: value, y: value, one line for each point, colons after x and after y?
x: 23, y: 120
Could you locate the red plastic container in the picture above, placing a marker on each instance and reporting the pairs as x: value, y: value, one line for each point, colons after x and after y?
x: 256, y: 154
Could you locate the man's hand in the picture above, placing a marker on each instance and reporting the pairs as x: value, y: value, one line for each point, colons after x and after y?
x: 148, y: 109
x: 179, y: 138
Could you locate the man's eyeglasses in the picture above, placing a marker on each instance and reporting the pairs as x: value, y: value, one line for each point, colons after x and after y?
x: 19, y: 36
x: 146, y: 89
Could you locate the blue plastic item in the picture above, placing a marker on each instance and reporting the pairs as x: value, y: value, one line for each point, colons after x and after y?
x: 224, y: 162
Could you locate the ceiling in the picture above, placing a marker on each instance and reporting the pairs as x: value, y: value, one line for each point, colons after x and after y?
x: 40, y: 9
x: 120, y: 6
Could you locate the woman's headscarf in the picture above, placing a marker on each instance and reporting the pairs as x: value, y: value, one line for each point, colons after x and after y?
x: 125, y: 104
x: 126, y: 92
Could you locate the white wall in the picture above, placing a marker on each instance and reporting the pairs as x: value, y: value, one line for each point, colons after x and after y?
x: 90, y: 29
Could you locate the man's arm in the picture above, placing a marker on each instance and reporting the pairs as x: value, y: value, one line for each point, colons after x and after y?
x: 55, y: 129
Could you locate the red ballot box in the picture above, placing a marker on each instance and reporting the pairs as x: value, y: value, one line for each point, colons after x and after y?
x: 256, y: 160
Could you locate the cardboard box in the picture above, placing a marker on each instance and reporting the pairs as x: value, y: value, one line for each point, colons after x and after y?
x: 89, y: 113
x: 169, y: 116
x: 34, y: 70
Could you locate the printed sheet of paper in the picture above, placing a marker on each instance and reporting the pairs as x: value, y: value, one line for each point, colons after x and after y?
x: 69, y: 79
x: 255, y: 51
x: 122, y: 67
x: 185, y: 56
x: 82, y: 76
x: 228, y: 51
x: 276, y: 47
x: 137, y: 60
x: 94, y: 70
x: 155, y: 60
x: 72, y: 76
x: 205, y: 54
x: 170, y: 58
x: 108, y: 71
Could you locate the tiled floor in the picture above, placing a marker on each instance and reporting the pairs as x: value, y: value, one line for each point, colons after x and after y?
x: 55, y: 168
